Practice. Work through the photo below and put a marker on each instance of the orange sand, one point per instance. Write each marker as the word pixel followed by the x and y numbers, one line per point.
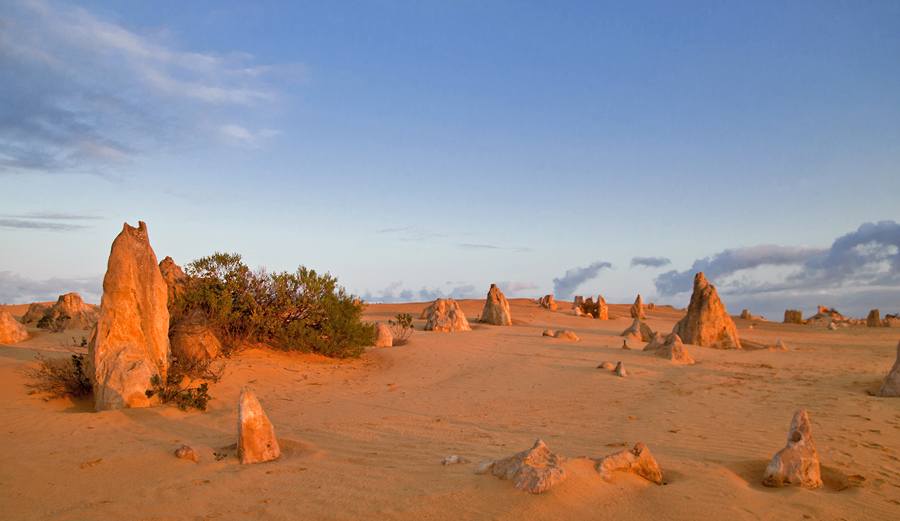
pixel 363 439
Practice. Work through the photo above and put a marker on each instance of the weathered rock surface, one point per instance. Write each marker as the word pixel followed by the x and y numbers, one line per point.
pixel 383 336
pixel 827 315
pixel 445 316
pixel 36 311
pixel 707 322
pixel 173 276
pixel 798 462
pixel 187 452
pixel 577 302
pixel 675 351
pixel 578 312
pixel 11 331
pixel 565 334
pixel 656 342
pixel 793 316
pixel 547 302
pixel 637 461
pixel 638 331
pixel 256 436
pixel 130 343
pixel 534 470
pixel 874 319
pixel 496 308
pixel 890 387
pixel 745 314
pixel 637 309
pixel 620 370
pixel 598 309
pixel 191 338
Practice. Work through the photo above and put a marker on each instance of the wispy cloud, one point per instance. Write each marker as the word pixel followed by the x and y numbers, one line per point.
pixel 15 289
pixel 565 287
pixel 390 293
pixel 82 93
pixel 40 225
pixel 870 256
pixel 55 216
pixel 650 262
pixel 512 287
pixel 467 246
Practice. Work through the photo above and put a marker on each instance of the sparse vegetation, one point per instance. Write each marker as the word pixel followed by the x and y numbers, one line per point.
pixel 59 377
pixel 301 311
pixel 171 391
pixel 54 325
pixel 402 329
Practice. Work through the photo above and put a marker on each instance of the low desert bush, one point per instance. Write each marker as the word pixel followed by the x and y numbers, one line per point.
pixel 402 328
pixel 59 377
pixel 53 325
pixel 172 391
pixel 301 311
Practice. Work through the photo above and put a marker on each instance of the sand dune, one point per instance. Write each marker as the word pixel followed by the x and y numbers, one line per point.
pixel 365 438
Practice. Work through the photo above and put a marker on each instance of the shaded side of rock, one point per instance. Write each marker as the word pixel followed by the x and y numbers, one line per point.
pixel 11 331
pixel 638 331
pixel 496 308
pixel 874 319
pixel 793 316
pixel 637 461
pixel 383 336
pixel 173 276
pixel 797 463
pixel 890 387
pixel 36 311
pixel 190 338
pixel 130 343
pixel 445 316
pixel 707 322
pixel 534 470
pixel 256 436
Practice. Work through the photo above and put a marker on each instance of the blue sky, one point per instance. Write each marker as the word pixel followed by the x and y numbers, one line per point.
pixel 417 149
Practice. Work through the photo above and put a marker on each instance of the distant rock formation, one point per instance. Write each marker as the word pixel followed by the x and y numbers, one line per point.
pixel 601 310
pixel 638 331
pixel 651 306
pixel 547 302
pixel 445 316
pixel 10 330
pixel 707 322
pixel 745 314
pixel 637 461
pixel 637 309
pixel 81 315
pixel 797 463
pixel 832 327
pixel 190 338
pixel 890 387
pixel 383 336
pixel 534 470
pixel 891 321
pixel 256 436
pixel 874 319
pixel 577 302
pixel 496 308
pixel 174 278
pixel 36 311
pixel 827 315
pixel 793 316
pixel 130 343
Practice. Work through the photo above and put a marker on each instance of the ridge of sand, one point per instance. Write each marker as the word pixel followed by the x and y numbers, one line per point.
pixel 365 438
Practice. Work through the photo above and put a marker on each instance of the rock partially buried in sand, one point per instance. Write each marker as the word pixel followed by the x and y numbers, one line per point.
pixel 256 436
pixel 639 331
pixel 798 462
pixel 565 334
pixel 637 309
pixel 534 470
pixel 186 452
pixel 444 316
pixel 606 365
pixel 130 343
pixel 546 302
pixel 547 332
pixel 890 387
pixel 620 370
pixel 832 327
pixel 496 308
pixel 637 461
pixel 674 350
pixel 10 330
pixel 454 460
pixel 707 322
pixel 383 336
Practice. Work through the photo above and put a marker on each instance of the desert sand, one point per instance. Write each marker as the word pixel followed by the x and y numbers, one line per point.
pixel 364 439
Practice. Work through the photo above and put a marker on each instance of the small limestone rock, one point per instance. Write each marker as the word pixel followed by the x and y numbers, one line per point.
pixel 534 470
pixel 890 387
pixel 832 327
pixel 186 452
pixel 620 370
pixel 454 460
pixel 547 332
pixel 745 314
pixel 496 308
pixel 639 331
pixel 707 322
pixel 675 351
pixel 383 336
pixel 798 462
pixel 444 315
pixel 655 343
pixel 547 303
pixel 637 309
pixel 780 346
pixel 637 461
pixel 606 365
pixel 10 330
pixel 566 335
pixel 625 345
pixel 256 436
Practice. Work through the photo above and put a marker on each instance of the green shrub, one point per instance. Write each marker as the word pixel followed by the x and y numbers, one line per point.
pixel 171 391
pixel 59 377
pixel 54 326
pixel 301 311
pixel 402 328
